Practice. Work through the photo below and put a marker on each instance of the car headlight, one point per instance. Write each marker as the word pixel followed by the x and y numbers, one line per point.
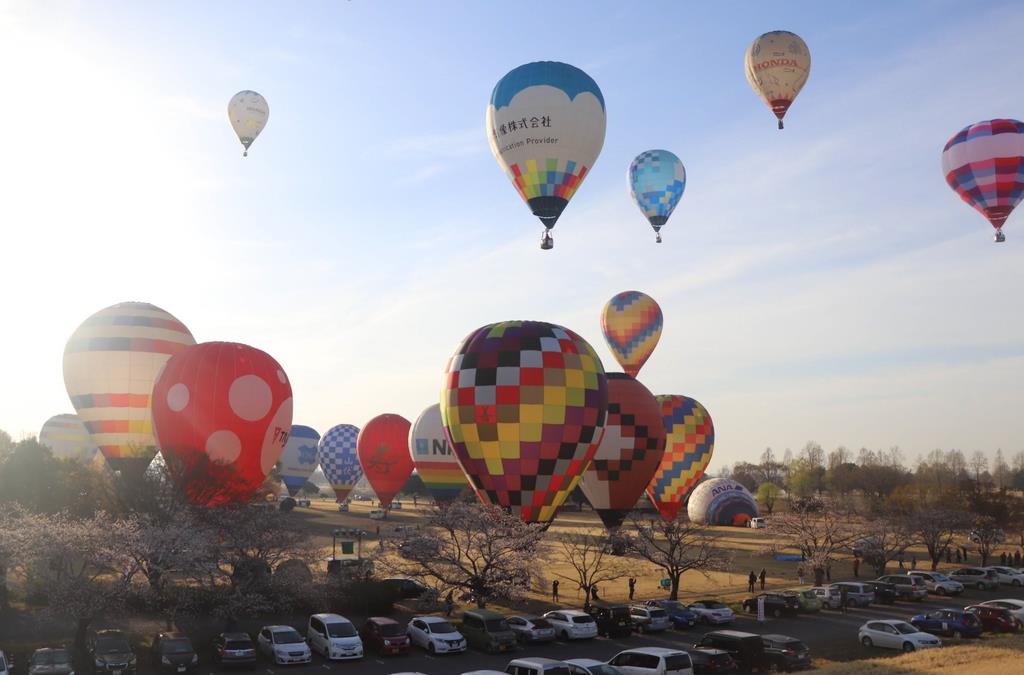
pixel 164 660
pixel 195 658
pixel 99 663
pixel 131 659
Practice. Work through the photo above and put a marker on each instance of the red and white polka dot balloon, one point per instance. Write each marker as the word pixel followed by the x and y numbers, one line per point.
pixel 221 413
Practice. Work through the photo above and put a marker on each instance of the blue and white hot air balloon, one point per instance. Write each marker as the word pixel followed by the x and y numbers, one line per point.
pixel 656 182
pixel 338 459
pixel 299 458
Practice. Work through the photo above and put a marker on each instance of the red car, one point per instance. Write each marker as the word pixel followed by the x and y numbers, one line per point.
pixel 384 636
pixel 995 619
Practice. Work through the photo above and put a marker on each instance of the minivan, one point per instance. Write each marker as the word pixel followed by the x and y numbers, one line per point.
pixel 908 587
pixel 747 649
pixel 612 620
pixel 536 665
pixel 857 594
pixel 487 630
pixel 334 637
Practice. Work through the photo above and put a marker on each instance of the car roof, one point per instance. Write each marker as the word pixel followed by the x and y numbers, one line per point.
pixel 536 661
pixel 171 635
pixel 706 600
pixel 888 621
pixel 585 662
pixel 430 618
pixel 775 637
pixel 109 632
pixel 381 620
pixel 47 649
pixel 733 633
pixel 704 650
pixel 278 628
pixel 236 636
pixel 484 613
pixel 653 651
pixel 569 612
pixel 330 617
pixel 527 617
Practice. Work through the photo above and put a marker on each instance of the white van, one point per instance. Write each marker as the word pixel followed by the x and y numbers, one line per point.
pixel 652 661
pixel 758 523
pixel 334 637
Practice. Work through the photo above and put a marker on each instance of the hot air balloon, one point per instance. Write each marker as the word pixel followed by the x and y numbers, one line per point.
pixel 629 453
pixel 690 441
pixel 984 164
pixel 68 438
pixel 433 458
pixel 777 66
pixel 383 448
pixel 248 112
pixel 338 459
pixel 110 364
pixel 546 124
pixel 631 323
pixel 721 501
pixel 524 404
pixel 222 412
pixel 656 182
pixel 298 460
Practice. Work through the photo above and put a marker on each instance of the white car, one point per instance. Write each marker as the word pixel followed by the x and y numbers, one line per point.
pixel 830 596
pixel 436 635
pixel 758 523
pixel 572 624
pixel 939 584
pixel 334 637
pixel 712 611
pixel 652 661
pixel 377 514
pixel 590 667
pixel 5 666
pixel 284 644
pixel 895 634
pixel 1015 607
pixel 531 628
pixel 1007 575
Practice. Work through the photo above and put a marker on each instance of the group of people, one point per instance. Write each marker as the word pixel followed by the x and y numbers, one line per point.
pixel 753 579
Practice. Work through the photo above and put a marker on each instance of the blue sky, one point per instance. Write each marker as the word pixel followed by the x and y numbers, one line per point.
pixel 818 283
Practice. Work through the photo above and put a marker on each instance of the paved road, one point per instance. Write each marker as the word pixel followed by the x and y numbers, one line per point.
pixel 830 634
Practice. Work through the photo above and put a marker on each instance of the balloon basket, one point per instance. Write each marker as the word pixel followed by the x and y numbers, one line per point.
pixel 547 242
pixel 657 237
pixel 781 125
pixel 999 237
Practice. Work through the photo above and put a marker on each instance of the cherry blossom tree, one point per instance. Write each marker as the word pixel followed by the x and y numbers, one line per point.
pixel 678 546
pixel 587 555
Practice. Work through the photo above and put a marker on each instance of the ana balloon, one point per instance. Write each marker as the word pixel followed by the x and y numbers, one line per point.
pixel 248 112
pixel 110 365
pixel 339 461
pixel 68 438
pixel 984 164
pixel 721 501
pixel 222 413
pixel 656 182
pixel 433 458
pixel 690 442
pixel 546 124
pixel 631 323
pixel 383 448
pixel 298 460
pixel 630 451
pixel 524 404
pixel 777 66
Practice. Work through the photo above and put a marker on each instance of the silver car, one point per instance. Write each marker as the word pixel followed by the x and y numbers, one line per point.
pixel 531 628
pixel 938 583
pixel 857 594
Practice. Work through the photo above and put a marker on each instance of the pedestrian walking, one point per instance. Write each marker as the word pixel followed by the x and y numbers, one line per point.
pixel 1016 558
pixel 764 573
pixel 958 555
pixel 844 598
pixel 554 591
pixel 632 587
pixel 828 572
pixel 1002 559
pixel 902 566
pixel 449 604
pixel 856 568
pixel 800 574
pixel 965 553
pixel 751 580
pixel 913 562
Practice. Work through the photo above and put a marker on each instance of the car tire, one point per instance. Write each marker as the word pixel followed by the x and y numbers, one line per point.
pixel 776 612
pixel 564 635
pixel 957 634
pixel 940 591
pixel 908 647
pixel 866 641
pixel 981 586
pixel 1016 582
pixel 430 648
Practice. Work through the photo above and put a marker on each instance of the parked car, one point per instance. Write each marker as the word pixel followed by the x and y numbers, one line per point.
pixel 976 577
pixel 536 665
pixel 995 619
pixel 907 587
pixel 649 619
pixel 343 507
pixel 807 599
pixel 708 661
pixel 712 612
pixel 746 649
pixel 110 653
pixel 938 583
pixel 757 523
pixel 173 653
pixel 283 644
pixel 377 514
pixel 1007 575
pixel 775 604
pixel 407 588
pixel 384 635
pixel 949 622
pixel 48 661
pixel 679 614
pixel 1014 606
pixel 857 594
pixel 572 624
pixel 234 649
pixel 334 637
pixel 531 628
pixel 885 593
pixel 487 630
pixel 830 597
pixel 652 661
pixel 784 653
pixel 436 635
pixel 612 620
pixel 590 667
pixel 895 634
pixel 6 666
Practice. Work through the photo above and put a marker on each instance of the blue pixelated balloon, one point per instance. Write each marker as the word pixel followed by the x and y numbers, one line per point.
pixel 656 182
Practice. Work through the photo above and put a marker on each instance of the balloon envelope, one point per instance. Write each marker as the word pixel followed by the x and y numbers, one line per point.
pixel 656 182
pixel 338 459
pixel 690 442
pixel 68 438
pixel 721 501
pixel 432 455
pixel 248 112
pixel 298 460
pixel 630 451
pixel 222 413
pixel 777 66
pixel 524 404
pixel 110 365
pixel 984 164
pixel 383 448
pixel 631 323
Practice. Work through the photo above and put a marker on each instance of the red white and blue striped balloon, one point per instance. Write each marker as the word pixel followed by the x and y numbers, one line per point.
pixel 984 164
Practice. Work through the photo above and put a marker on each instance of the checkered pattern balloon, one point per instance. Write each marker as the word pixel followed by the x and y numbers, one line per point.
pixel 524 404
pixel 630 451
pixel 984 164
pixel 631 322
pixel 690 441
pixel 337 456
pixel 656 182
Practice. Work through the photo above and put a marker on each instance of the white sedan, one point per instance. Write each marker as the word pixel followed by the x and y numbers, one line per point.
pixel 712 611
pixel 896 634
pixel 572 624
pixel 1007 575
pixel 436 635
pixel 1015 607
pixel 283 644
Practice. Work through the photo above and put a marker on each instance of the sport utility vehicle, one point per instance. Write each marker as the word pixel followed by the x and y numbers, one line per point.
pixel 109 652
pixel 48 661
pixel 649 619
pixel 785 653
pixel 536 665
pixel 487 630
pixel 747 649
pixel 908 587
pixel 976 577
pixel 612 620
pixel 173 653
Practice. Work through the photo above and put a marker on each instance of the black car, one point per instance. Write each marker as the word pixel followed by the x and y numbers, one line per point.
pixel 708 661
pixel 173 653
pixel 234 649
pixel 110 653
pixel 775 604
pixel 885 592
pixel 747 649
pixel 407 588
pixel 612 620
pixel 48 661
pixel 785 653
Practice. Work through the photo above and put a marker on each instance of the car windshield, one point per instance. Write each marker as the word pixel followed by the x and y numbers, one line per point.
pixel 341 629
pixel 112 646
pixel 809 595
pixel 904 628
pixel 672 605
pixel 603 670
pixel 795 645
pixel 176 646
pixel 677 662
pixel 236 645
pixel 541 623
pixel 496 625
pixel 441 627
pixel 657 613
pixel 391 630
pixel 287 637
pixel 938 576
pixel 582 619
pixel 712 604
pixel 3 664
pixel 51 657
pixel 619 611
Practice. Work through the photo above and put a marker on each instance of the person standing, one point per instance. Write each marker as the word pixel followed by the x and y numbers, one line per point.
pixel 1002 558
pixel 449 604
pixel 632 587
pixel 764 573
pixel 958 555
pixel 902 566
pixel 1016 558
pixel 844 598
pixel 913 562
pixel 856 568
pixel 828 572
pixel 554 591
pixel 751 580
pixel 800 574
pixel 949 556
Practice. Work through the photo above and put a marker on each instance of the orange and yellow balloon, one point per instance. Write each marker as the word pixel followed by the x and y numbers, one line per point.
pixel 631 323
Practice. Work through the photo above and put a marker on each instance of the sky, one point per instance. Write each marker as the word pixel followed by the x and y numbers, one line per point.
pixel 819 283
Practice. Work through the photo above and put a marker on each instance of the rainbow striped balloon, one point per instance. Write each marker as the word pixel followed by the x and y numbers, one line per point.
pixel 690 436
pixel 432 455
pixel 67 438
pixel 110 364
pixel 631 322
